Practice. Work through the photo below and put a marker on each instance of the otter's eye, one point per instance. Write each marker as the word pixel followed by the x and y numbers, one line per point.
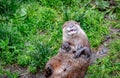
pixel 71 26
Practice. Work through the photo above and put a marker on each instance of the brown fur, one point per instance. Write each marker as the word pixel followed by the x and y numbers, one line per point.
pixel 77 39
pixel 64 66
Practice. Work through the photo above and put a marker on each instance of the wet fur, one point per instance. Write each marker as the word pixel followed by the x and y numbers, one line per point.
pixel 76 40
pixel 64 66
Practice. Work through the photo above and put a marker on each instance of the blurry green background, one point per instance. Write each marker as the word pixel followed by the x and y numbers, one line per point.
pixel 31 32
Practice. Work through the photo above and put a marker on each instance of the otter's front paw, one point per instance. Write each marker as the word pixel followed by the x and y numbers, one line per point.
pixel 66 46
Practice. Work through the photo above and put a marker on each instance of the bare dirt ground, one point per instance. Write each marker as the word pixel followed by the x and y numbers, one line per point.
pixel 102 50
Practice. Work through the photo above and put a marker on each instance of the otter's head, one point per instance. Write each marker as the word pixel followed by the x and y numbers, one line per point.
pixel 71 28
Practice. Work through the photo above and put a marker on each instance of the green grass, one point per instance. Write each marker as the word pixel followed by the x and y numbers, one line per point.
pixel 107 67
pixel 31 30
pixel 7 73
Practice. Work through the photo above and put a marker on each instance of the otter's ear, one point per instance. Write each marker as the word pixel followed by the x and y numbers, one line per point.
pixel 77 23
pixel 64 26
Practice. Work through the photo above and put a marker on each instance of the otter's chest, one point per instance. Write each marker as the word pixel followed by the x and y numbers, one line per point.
pixel 77 42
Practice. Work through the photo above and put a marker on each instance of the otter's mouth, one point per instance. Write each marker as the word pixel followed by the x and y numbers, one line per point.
pixel 72 31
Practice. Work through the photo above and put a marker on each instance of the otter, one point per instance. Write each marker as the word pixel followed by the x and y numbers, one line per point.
pixel 74 35
pixel 73 58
